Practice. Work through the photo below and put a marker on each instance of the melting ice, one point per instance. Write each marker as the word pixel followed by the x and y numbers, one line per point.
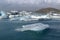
pixel 33 27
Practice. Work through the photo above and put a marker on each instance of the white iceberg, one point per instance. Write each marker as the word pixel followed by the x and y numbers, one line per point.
pixel 33 27
pixel 28 16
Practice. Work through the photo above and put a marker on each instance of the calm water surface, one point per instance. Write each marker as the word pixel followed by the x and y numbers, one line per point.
pixel 7 31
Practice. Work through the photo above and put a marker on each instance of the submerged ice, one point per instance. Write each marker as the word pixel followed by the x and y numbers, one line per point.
pixel 33 27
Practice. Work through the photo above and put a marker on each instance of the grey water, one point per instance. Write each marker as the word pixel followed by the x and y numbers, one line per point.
pixel 7 31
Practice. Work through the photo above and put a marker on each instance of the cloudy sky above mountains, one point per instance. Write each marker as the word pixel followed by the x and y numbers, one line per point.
pixel 29 1
pixel 26 4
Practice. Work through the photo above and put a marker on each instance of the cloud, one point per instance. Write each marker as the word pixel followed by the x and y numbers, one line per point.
pixel 24 1
pixel 27 4
pixel 57 1
pixel 53 1
pixel 36 2
pixel 31 1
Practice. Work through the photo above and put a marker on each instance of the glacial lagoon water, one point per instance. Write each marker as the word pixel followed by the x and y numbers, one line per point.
pixel 7 31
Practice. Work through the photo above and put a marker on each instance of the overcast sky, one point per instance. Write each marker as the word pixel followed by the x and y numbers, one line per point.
pixel 28 1
pixel 23 4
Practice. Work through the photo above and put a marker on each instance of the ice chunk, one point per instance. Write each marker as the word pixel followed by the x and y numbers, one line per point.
pixel 33 27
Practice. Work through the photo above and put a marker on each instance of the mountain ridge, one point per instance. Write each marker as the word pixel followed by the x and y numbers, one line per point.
pixel 47 10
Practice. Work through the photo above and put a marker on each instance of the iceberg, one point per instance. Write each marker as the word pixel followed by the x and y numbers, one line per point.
pixel 14 17
pixel 3 15
pixel 28 16
pixel 33 27
pixel 23 16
